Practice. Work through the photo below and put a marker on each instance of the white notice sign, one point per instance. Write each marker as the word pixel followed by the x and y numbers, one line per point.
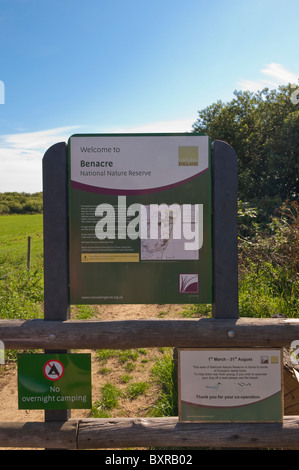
pixel 230 385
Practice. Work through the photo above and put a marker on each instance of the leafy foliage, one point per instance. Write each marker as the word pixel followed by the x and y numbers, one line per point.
pixel 269 266
pixel 21 203
pixel 263 129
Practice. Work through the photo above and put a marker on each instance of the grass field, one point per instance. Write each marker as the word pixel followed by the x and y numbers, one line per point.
pixel 14 233
pixel 21 290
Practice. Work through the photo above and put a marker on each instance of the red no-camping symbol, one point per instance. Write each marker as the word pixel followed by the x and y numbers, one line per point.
pixel 53 369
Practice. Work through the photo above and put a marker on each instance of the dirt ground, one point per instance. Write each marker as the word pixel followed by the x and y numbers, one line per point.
pixel 9 411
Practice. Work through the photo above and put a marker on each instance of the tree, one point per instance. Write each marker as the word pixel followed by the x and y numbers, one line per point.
pixel 263 129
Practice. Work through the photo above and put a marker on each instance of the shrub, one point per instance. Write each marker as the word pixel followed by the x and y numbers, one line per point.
pixel 269 267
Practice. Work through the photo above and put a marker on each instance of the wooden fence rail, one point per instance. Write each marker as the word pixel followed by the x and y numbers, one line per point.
pixel 111 433
pixel 193 333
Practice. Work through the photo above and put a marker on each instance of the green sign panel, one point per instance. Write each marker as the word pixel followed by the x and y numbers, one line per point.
pixel 140 219
pixel 54 381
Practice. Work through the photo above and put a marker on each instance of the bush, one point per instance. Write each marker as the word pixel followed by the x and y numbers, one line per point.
pixel 21 292
pixel 21 203
pixel 4 209
pixel 269 267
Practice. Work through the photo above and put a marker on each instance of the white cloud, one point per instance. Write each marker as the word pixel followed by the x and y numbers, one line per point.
pixel 256 86
pixel 21 158
pixel 278 75
pixel 37 141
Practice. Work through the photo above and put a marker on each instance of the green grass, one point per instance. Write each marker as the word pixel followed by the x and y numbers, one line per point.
pixel 108 401
pixel 126 378
pixel 196 310
pixel 104 354
pixel 111 396
pixel 84 312
pixel 164 374
pixel 136 389
pixel 127 355
pixel 14 233
pixel 21 294
pixel 266 290
pixel 21 290
pixel 128 361
pixel 123 355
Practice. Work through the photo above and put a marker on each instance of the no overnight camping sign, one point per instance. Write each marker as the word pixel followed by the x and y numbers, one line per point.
pixel 140 218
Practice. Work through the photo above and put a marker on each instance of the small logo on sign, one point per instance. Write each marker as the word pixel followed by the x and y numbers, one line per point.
pixel 188 283
pixel 188 156
pixel 53 369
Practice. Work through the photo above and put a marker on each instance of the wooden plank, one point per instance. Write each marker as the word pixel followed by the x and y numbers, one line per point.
pixel 39 435
pixel 143 432
pixel 193 333
pixel 118 433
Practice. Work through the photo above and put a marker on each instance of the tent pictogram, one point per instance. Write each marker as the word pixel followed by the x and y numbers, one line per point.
pixel 53 369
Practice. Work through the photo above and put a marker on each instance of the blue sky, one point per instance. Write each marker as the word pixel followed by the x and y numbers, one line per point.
pixel 94 66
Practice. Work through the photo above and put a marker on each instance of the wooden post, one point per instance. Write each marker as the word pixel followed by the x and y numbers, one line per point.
pixel 225 230
pixel 28 253
pixel 55 201
pixel 56 265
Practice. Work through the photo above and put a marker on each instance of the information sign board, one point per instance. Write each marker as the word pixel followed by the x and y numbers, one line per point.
pixel 230 385
pixel 140 218
pixel 54 381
